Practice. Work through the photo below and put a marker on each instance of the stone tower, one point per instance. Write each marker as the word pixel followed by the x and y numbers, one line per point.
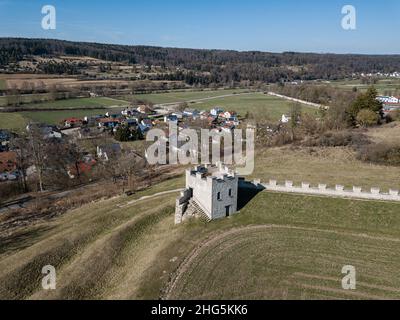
pixel 212 191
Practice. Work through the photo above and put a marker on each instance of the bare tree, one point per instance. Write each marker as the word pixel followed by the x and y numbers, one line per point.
pixel 21 147
pixel 38 151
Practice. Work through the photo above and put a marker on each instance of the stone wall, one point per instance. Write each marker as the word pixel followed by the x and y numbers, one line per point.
pixel 181 204
pixel 222 187
pixel 338 191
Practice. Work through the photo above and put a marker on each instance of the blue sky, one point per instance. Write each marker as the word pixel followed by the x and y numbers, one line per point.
pixel 266 25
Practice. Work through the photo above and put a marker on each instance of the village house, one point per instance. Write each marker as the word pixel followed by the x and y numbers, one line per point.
pixel 108 123
pixel 48 131
pixel 93 95
pixel 5 138
pixel 204 115
pixel 91 120
pixel 216 111
pixel 388 99
pixel 285 118
pixel 8 165
pixel 72 122
pixel 109 151
pixel 178 114
pixel 130 122
pixel 171 118
pixel 144 109
pixel 84 167
pixel 145 125
pixel 227 114
pixel 191 113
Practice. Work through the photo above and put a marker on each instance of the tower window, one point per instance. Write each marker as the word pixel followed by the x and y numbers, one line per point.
pixel 230 192
pixel 219 196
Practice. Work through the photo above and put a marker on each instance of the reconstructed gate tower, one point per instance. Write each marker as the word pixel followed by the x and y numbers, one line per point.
pixel 211 191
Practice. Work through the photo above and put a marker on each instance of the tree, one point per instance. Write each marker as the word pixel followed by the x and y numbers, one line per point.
pixel 21 147
pixel 123 134
pixel 367 101
pixel 38 151
pixel 182 106
pixel 367 118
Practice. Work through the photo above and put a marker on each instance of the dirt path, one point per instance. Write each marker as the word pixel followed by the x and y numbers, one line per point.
pixel 149 197
pixel 164 105
pixel 185 265
pixel 311 104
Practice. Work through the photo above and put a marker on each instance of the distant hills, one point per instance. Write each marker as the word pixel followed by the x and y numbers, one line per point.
pixel 219 66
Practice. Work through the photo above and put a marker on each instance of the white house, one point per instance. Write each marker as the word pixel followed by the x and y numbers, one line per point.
pixel 109 151
pixel 388 99
pixel 285 118
pixel 216 111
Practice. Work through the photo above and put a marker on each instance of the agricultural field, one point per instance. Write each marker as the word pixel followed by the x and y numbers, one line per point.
pixel 184 96
pixel 98 102
pixel 383 85
pixel 55 117
pixel 26 98
pixel 78 103
pixel 95 106
pixel 3 84
pixel 278 246
pixel 259 105
pixel 12 121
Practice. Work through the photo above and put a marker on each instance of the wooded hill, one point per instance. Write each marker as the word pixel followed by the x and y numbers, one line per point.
pixel 213 66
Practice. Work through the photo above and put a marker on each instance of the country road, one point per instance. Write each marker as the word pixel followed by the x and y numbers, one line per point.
pixel 311 104
pixel 204 99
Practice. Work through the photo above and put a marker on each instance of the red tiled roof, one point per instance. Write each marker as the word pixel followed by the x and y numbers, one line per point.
pixel 105 120
pixel 8 161
pixel 72 120
pixel 84 167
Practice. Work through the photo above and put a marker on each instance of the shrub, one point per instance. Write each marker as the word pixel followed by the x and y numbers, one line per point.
pixel 395 115
pixel 387 154
pixel 337 139
pixel 367 118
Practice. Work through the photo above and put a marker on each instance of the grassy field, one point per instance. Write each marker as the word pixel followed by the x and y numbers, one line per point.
pixel 67 103
pixel 260 105
pixel 27 98
pixel 3 84
pixel 279 246
pixel 78 103
pixel 55 117
pixel 12 121
pixel 95 106
pixel 183 96
pixel 323 165
pixel 382 86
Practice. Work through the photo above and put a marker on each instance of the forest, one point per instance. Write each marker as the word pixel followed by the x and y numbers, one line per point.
pixel 206 66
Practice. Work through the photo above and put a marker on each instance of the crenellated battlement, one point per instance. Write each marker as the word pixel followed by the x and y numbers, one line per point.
pixel 337 191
